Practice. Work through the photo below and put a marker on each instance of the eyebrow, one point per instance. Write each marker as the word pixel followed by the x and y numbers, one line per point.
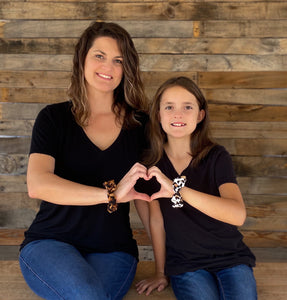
pixel 98 50
pixel 172 102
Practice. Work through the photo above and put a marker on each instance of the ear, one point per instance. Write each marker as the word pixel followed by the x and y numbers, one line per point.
pixel 200 116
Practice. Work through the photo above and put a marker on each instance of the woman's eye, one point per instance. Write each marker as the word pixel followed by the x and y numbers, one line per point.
pixel 99 56
pixel 118 61
pixel 169 107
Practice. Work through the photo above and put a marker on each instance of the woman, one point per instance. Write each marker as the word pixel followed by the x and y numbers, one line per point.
pixel 194 220
pixel 82 164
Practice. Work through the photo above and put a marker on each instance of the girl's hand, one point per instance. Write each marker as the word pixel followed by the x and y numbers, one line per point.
pixel 166 190
pixel 158 282
pixel 125 191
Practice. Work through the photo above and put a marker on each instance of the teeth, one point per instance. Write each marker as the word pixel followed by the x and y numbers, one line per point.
pixel 178 124
pixel 105 76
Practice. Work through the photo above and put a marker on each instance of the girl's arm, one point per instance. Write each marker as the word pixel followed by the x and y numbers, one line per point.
pixel 43 184
pixel 143 212
pixel 159 281
pixel 228 208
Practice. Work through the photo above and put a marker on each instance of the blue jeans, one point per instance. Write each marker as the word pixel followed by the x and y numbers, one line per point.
pixel 57 270
pixel 237 283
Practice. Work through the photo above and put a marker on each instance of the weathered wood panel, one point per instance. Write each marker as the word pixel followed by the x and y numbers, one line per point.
pixel 247 46
pixel 145 11
pixel 220 96
pixel 159 63
pixel 67 29
pixel 242 80
pixel 219 113
pixel 11 128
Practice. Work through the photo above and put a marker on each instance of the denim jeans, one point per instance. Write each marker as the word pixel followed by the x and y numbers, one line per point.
pixel 237 283
pixel 57 270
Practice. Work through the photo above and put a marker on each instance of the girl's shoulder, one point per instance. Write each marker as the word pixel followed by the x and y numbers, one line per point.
pixel 217 152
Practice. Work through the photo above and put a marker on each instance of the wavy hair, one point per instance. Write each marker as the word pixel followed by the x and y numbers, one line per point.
pixel 129 96
pixel 200 140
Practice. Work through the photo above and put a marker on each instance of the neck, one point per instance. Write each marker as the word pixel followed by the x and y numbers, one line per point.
pixel 100 104
pixel 177 148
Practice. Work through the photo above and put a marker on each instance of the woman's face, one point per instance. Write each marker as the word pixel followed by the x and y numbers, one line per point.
pixel 103 66
pixel 179 112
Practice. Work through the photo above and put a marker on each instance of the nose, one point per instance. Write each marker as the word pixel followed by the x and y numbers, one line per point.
pixel 107 64
pixel 178 114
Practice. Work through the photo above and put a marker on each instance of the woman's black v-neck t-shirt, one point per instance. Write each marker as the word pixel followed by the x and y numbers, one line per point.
pixel 89 228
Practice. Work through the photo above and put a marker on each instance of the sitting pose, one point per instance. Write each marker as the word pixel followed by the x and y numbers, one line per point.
pixel 194 220
pixel 83 165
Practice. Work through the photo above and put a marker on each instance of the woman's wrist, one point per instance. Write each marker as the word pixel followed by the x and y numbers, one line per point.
pixel 112 202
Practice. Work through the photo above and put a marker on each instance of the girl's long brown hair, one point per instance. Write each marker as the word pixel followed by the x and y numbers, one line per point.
pixel 129 96
pixel 200 140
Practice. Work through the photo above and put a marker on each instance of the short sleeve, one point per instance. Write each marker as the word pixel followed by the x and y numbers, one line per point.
pixel 45 134
pixel 224 171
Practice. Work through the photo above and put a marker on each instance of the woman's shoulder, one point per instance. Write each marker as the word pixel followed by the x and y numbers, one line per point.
pixel 61 110
pixel 60 107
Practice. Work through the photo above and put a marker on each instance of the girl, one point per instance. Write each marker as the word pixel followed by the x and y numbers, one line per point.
pixel 199 205
pixel 82 164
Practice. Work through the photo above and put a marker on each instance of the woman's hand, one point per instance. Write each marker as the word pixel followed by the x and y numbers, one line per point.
pixel 125 191
pixel 158 282
pixel 166 190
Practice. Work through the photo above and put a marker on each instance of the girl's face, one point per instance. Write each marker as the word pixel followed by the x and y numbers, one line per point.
pixel 103 65
pixel 179 112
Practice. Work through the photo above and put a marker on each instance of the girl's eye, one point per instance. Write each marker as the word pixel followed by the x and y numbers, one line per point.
pixel 188 107
pixel 169 107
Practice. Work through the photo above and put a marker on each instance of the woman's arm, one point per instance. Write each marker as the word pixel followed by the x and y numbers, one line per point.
pixel 43 184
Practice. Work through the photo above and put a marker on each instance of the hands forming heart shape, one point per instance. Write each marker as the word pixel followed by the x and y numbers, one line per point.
pixel 148 187
pixel 144 184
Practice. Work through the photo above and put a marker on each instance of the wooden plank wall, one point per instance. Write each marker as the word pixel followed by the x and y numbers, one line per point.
pixel 235 50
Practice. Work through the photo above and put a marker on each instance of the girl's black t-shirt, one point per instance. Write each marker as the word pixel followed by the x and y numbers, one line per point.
pixel 193 239
pixel 89 228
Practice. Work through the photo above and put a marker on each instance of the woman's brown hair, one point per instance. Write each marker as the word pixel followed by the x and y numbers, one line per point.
pixel 129 96
pixel 200 141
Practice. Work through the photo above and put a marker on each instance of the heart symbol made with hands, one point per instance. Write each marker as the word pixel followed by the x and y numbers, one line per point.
pixel 148 187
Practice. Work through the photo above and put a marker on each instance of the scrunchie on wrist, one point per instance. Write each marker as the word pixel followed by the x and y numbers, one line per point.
pixel 178 183
pixel 111 187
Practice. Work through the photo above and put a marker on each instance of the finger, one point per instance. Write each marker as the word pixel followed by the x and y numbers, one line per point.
pixel 150 289
pixel 157 196
pixel 161 287
pixel 142 288
pixel 142 196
